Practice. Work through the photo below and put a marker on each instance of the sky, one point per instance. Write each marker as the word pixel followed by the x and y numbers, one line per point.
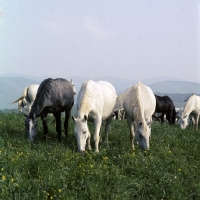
pixel 131 39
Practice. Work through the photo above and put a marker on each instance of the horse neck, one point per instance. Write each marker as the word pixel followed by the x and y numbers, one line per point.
pixel 189 107
pixel 139 113
pixel 83 110
pixel 37 108
pixel 140 110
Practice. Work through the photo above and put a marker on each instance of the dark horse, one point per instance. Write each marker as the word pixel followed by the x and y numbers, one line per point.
pixel 165 106
pixel 53 96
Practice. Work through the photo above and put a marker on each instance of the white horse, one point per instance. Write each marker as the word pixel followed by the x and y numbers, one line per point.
pixel 192 107
pixel 120 112
pixel 139 105
pixel 26 100
pixel 95 102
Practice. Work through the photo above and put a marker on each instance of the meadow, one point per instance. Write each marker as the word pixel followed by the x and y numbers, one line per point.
pixel 52 170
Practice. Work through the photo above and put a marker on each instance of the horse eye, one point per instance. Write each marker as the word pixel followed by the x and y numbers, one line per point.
pixel 84 132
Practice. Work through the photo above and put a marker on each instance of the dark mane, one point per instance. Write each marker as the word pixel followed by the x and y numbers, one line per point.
pixel 45 86
pixel 43 92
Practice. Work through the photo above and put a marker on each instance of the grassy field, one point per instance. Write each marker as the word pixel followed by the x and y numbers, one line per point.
pixel 52 170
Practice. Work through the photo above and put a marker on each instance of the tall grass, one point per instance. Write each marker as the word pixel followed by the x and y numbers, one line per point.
pixel 52 170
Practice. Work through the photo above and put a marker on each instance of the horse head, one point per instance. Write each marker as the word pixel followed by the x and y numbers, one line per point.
pixel 81 132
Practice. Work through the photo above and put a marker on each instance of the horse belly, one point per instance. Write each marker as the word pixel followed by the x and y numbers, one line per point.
pixel 108 108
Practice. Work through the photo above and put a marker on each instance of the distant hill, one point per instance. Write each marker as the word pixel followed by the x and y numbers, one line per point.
pixel 175 87
pixel 12 87
pixel 160 79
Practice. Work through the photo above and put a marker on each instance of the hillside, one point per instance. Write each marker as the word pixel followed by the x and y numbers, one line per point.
pixel 11 88
pixel 175 87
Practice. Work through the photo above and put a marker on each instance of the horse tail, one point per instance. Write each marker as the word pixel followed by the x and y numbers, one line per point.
pixel 23 95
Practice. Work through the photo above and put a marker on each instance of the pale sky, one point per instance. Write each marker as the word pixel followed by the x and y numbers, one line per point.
pixel 132 39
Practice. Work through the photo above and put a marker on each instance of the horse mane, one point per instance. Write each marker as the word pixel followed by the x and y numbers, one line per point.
pixel 136 101
pixel 84 107
pixel 187 101
pixel 43 93
pixel 44 89
pixel 187 98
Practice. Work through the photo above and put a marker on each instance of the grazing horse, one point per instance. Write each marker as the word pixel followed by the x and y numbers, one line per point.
pixel 156 117
pixel 26 100
pixel 53 96
pixel 165 105
pixel 95 102
pixel 139 104
pixel 191 108
pixel 120 114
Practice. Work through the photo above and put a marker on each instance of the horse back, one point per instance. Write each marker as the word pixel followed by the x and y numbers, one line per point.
pixel 54 95
pixel 97 98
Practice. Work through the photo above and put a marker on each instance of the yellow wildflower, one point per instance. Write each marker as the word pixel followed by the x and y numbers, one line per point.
pixel 59 190
pixel 3 178
pixel 105 158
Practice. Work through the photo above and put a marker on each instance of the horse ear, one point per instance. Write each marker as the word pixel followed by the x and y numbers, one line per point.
pixel 74 119
pixel 85 117
pixel 149 123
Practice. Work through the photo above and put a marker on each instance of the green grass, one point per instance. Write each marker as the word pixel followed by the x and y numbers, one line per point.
pixel 52 170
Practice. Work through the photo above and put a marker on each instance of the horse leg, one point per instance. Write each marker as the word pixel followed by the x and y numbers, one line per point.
pixel 162 117
pixel 45 127
pixel 169 117
pixel 132 133
pixel 88 141
pixel 108 121
pixel 100 135
pixel 66 122
pixel 196 121
pixel 58 125
pixel 98 122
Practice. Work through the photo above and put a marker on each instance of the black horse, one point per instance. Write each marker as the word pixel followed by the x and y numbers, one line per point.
pixel 165 105
pixel 53 96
